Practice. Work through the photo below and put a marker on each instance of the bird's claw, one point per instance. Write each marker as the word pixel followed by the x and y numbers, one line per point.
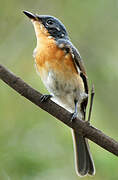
pixel 45 97
pixel 74 115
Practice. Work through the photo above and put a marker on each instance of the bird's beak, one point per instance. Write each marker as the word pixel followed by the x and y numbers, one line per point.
pixel 30 15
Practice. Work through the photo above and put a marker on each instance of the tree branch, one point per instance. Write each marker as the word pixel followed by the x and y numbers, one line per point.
pixel 61 114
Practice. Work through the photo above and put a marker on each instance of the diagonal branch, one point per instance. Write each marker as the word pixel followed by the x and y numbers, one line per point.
pixel 61 114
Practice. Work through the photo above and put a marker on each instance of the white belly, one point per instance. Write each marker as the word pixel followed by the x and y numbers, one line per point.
pixel 64 91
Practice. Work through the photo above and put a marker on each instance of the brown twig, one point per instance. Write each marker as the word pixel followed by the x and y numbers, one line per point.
pixel 61 114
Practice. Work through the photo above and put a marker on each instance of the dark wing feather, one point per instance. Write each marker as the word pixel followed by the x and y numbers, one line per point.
pixel 66 45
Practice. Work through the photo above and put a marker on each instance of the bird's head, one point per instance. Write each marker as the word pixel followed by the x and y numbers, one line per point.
pixel 47 25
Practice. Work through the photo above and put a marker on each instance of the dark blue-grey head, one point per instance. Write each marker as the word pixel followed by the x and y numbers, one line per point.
pixel 55 28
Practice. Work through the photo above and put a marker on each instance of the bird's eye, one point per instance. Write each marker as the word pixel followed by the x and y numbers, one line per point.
pixel 50 22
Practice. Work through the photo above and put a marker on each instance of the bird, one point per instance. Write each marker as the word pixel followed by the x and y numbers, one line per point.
pixel 63 73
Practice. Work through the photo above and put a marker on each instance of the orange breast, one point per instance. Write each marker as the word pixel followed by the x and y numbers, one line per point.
pixel 49 56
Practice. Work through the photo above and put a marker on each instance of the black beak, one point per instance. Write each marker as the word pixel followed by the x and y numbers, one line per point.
pixel 30 15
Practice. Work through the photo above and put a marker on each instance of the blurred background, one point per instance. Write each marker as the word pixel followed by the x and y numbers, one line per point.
pixel 33 145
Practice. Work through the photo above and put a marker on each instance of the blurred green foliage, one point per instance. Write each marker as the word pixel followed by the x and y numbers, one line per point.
pixel 33 145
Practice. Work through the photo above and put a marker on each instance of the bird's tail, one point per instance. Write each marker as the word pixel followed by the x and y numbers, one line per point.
pixel 83 159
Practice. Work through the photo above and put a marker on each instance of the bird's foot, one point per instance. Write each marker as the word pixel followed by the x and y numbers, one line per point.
pixel 74 115
pixel 45 97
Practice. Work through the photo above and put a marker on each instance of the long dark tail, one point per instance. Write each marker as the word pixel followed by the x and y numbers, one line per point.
pixel 83 158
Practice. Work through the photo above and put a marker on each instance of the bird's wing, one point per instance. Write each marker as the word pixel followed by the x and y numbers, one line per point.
pixel 66 45
pixel 69 48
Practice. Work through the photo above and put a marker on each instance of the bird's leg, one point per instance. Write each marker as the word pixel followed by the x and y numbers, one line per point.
pixel 45 97
pixel 74 115
pixel 91 103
